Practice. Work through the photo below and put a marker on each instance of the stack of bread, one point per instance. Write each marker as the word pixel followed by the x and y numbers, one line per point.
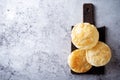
pixel 90 52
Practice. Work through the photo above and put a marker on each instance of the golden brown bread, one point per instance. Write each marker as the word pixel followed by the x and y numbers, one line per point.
pixel 84 35
pixel 99 55
pixel 77 61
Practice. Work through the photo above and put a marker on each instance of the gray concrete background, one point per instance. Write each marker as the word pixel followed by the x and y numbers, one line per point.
pixel 35 38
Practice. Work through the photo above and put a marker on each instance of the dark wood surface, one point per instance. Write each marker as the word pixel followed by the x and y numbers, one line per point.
pixel 88 16
pixel 88 13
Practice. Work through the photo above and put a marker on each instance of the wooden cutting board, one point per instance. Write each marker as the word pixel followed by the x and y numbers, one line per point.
pixel 88 16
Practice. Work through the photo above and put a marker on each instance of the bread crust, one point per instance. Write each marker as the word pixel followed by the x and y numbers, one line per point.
pixel 77 61
pixel 99 55
pixel 84 35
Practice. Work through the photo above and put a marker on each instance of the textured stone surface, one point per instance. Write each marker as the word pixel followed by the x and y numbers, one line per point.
pixel 35 38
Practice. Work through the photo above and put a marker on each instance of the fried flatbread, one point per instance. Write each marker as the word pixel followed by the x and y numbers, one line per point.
pixel 77 61
pixel 99 55
pixel 84 35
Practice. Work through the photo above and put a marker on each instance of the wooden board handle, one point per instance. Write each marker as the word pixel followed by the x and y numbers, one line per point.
pixel 88 13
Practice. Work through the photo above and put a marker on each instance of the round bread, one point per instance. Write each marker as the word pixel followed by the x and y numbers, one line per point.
pixel 84 35
pixel 77 61
pixel 99 55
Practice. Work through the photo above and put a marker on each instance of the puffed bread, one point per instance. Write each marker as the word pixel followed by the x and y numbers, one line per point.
pixel 99 55
pixel 84 35
pixel 77 61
